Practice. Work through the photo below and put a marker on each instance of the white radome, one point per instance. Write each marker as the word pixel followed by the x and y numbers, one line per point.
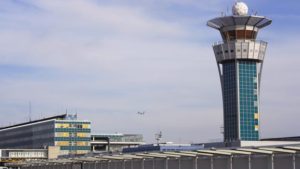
pixel 240 8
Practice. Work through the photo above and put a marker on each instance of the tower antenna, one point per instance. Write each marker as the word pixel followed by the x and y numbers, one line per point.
pixel 29 110
pixel 227 12
pixel 222 130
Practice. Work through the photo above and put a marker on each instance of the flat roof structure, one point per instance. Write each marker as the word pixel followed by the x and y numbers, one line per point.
pixel 230 158
pixel 294 138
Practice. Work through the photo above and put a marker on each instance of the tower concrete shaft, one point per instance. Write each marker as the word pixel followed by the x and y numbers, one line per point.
pixel 240 60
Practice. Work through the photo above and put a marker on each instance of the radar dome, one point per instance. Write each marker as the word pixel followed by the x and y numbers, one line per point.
pixel 240 9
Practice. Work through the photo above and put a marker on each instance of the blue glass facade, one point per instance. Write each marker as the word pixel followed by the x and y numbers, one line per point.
pixel 248 100
pixel 230 101
pixel 240 99
pixel 30 136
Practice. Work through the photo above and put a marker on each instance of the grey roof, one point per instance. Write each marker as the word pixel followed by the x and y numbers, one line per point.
pixel 63 116
pixel 256 21
pixel 174 154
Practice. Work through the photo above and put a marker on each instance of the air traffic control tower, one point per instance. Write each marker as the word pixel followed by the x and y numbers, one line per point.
pixel 240 60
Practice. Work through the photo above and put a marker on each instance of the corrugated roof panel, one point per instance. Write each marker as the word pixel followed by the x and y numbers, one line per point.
pixel 181 154
pixel 152 155
pixel 197 153
pixel 168 155
pixel 292 148
pixel 236 152
pixel 112 157
pixel 280 150
pixel 256 151
pixel 214 152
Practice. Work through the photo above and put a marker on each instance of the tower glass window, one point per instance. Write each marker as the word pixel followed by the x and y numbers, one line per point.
pixel 247 88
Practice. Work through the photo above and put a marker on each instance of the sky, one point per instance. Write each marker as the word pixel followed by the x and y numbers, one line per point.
pixel 108 60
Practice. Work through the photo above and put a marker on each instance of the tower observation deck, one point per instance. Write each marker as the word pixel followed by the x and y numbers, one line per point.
pixel 240 60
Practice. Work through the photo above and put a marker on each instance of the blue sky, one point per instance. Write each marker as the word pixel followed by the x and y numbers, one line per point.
pixel 107 60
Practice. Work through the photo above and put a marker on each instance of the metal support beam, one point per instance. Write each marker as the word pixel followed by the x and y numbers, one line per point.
pixel 153 163
pixel 249 162
pixel 167 163
pixel 271 162
pixel 143 163
pixel 123 165
pixel 294 161
pixel 196 163
pixel 230 162
pixel 211 162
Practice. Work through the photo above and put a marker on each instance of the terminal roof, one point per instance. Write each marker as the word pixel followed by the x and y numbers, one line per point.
pixel 172 154
pixel 63 116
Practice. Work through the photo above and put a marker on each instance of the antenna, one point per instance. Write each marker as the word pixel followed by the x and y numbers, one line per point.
pixel 227 12
pixel 29 110
pixel 158 137
pixel 222 130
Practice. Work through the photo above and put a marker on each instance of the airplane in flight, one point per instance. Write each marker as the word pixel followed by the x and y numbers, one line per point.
pixel 141 113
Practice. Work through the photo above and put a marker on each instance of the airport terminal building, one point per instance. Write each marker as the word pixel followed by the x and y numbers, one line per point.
pixel 115 142
pixel 65 131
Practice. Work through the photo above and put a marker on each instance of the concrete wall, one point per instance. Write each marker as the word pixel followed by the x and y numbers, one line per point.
pixel 53 152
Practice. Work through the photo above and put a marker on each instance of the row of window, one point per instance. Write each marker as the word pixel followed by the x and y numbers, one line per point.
pixel 72 138
pixel 75 147
pixel 72 143
pixel 235 51
pixel 238 34
pixel 71 134
pixel 72 125
pixel 72 130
